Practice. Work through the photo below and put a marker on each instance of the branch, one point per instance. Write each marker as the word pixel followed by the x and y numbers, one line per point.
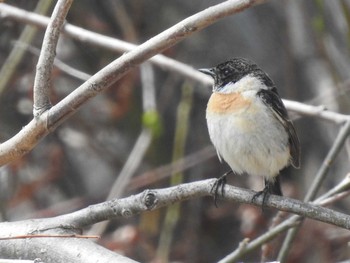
pixel 42 82
pixel 338 144
pixel 316 184
pixel 165 171
pixel 19 145
pixel 316 111
pixel 157 198
pixel 103 41
pixel 162 61
pixel 70 71
pixel 153 199
pixel 9 66
pixel 72 250
pixel 247 246
pixel 37 260
pixel 141 145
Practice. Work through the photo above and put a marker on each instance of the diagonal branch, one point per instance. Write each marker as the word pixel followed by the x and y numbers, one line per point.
pixel 316 111
pixel 42 82
pixel 162 61
pixel 248 246
pixel 19 145
pixel 316 184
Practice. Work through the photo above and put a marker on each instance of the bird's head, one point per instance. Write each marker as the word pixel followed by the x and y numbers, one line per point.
pixel 234 70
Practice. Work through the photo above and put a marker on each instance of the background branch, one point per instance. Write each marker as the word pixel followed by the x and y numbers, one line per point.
pixel 15 57
pixel 248 246
pixel 316 184
pixel 141 145
pixel 162 61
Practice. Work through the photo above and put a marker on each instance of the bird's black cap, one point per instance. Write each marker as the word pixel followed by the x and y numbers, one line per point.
pixel 233 70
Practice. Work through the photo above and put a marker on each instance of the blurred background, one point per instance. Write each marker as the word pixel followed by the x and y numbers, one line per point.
pixel 150 126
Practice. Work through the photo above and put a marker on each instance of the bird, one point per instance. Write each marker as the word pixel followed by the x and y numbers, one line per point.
pixel 249 125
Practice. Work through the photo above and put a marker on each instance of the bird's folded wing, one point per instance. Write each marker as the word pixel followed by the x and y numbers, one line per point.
pixel 275 104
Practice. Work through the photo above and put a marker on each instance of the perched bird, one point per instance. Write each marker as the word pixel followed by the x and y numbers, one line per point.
pixel 249 124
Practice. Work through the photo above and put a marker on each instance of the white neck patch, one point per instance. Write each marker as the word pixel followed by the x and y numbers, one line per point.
pixel 246 83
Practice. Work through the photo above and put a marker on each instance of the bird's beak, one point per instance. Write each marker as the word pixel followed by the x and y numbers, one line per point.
pixel 207 71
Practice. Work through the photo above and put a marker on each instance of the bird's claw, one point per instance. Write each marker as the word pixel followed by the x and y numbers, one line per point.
pixel 219 183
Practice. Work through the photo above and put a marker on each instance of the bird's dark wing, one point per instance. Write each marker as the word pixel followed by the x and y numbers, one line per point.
pixel 275 104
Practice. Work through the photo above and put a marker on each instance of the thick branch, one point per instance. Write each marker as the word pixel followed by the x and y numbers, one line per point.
pixel 42 82
pixel 73 250
pixel 24 140
pixel 154 199
pixel 162 61
pixel 115 70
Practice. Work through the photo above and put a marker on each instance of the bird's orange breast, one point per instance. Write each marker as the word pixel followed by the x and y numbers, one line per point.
pixel 227 103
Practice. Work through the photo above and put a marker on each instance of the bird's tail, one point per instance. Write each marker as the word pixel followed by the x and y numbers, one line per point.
pixel 274 186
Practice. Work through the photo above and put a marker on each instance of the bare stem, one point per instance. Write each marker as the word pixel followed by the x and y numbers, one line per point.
pixel 42 82
pixel 311 194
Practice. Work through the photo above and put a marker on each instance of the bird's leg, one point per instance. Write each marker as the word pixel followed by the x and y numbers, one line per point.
pixel 271 187
pixel 219 183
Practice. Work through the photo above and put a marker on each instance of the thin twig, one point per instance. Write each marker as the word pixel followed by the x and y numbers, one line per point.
pixel 256 243
pixel 49 236
pixel 141 146
pixel 315 111
pixel 331 200
pixel 172 214
pixel 165 171
pixel 16 54
pixel 37 260
pixel 320 176
pixel 103 41
pixel 294 221
pixel 344 185
pixel 69 70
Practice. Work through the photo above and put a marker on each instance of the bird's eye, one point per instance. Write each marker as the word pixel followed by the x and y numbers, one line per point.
pixel 227 71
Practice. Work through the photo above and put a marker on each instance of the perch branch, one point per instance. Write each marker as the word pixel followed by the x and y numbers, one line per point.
pixel 157 198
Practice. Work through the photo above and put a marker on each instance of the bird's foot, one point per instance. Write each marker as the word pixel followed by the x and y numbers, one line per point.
pixel 271 187
pixel 265 193
pixel 219 184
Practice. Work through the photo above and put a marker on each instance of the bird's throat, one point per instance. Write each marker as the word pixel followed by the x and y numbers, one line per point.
pixel 223 103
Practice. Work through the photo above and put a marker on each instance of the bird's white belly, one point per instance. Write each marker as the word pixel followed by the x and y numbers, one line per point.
pixel 251 141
